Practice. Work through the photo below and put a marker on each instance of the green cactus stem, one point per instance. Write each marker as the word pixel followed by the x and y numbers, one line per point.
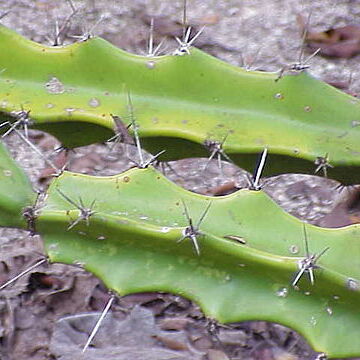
pixel 250 251
pixel 179 103
pixel 15 192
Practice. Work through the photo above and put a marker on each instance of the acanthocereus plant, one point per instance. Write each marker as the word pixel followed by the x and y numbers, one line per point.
pixel 239 257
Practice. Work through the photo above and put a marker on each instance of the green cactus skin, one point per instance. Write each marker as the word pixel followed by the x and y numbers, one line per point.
pixel 15 192
pixel 179 102
pixel 131 243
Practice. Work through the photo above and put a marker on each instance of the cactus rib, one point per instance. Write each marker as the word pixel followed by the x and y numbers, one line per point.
pixel 16 194
pixel 181 102
pixel 131 243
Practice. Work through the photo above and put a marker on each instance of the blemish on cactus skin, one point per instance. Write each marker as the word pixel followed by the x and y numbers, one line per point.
pixel 7 172
pixel 54 249
pixel 293 249
pixel 279 96
pixel 78 263
pixel 50 106
pixel 329 310
pixel 313 321
pixel 343 134
pixel 126 179
pixel 307 108
pixel 55 86
pixel 282 292
pixel 94 102
pixel 150 64
pixel 53 246
pixel 353 284
pixel 236 238
pixel 69 111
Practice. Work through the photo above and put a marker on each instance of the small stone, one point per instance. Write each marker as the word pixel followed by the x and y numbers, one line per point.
pixel 232 337
pixel 174 323
pixel 216 355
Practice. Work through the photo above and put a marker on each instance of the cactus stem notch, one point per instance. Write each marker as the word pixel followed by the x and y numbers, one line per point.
pixel 216 148
pixel 192 232
pixel 57 41
pixel 22 120
pixel 302 64
pixel 297 67
pixel 121 132
pixel 254 182
pixel 85 212
pixel 185 43
pixel 308 263
pixel 323 164
pixel 30 213
pixel 142 164
pixel 88 33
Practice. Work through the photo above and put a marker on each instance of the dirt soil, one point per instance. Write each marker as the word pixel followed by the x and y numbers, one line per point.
pixel 48 313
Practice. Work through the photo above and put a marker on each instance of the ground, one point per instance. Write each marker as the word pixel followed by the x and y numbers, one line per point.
pixel 49 312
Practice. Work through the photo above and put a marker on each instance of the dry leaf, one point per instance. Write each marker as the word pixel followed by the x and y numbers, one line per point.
pixel 341 42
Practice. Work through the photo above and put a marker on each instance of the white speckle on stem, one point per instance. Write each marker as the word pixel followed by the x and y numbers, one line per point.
pixel 329 310
pixel 353 284
pixel 54 86
pixel 294 249
pixel 94 102
pixel 282 292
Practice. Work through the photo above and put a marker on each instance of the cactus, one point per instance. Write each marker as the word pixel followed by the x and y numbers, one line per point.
pixel 248 267
pixel 180 103
pixel 16 193
pixel 240 257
